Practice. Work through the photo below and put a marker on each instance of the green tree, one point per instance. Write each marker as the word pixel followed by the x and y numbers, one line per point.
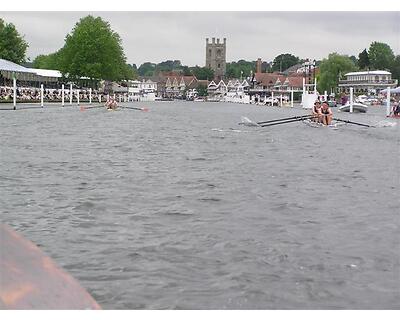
pixel 49 61
pixel 169 65
pixel 201 90
pixel 95 51
pixel 333 68
pixel 12 44
pixel 354 59
pixel 186 71
pixel 363 60
pixel 380 55
pixel 395 69
pixel 133 73
pixel 147 69
pixel 241 68
pixel 284 61
pixel 202 73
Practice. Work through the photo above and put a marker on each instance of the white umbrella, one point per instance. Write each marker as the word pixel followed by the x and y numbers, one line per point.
pixel 396 90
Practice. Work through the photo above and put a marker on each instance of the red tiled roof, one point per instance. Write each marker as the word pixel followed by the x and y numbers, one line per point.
pixel 188 80
pixel 296 82
pixel 270 79
pixel 267 79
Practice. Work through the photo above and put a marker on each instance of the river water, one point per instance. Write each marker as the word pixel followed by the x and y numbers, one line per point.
pixel 182 208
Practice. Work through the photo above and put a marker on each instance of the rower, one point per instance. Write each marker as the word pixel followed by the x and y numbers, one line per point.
pixel 316 112
pixel 396 108
pixel 326 113
pixel 111 104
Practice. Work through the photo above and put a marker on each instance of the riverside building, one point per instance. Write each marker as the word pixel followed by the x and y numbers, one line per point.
pixel 367 81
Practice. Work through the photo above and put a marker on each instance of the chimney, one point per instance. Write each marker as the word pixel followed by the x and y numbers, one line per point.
pixel 258 65
pixel 213 40
pixel 207 40
pixel 217 40
pixel 224 40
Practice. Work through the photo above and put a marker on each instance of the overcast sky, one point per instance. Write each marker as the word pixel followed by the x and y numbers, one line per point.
pixel 160 36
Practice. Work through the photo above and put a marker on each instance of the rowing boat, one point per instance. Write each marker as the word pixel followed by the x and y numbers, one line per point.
pixel 334 125
pixel 29 279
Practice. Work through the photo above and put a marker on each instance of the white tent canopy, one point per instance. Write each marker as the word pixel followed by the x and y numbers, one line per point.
pixel 396 90
pixel 47 73
pixel 8 68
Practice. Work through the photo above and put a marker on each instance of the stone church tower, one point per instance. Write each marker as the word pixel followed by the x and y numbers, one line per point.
pixel 216 57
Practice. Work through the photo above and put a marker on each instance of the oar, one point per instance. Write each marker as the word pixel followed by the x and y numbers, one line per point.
pixel 83 108
pixel 283 119
pixel 283 122
pixel 352 122
pixel 134 108
pixel 95 106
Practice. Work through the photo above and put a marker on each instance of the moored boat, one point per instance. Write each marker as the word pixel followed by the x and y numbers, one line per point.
pixel 357 107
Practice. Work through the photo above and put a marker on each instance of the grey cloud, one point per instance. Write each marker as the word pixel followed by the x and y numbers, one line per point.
pixel 157 36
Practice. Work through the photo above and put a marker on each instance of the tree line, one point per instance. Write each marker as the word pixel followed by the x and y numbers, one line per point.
pixel 379 56
pixel 94 51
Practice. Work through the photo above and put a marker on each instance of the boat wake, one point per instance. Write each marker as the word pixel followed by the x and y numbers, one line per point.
pixel 334 125
pixel 247 122
pixel 227 130
pixel 385 123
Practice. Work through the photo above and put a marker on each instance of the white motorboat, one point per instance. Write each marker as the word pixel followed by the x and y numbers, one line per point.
pixel 357 107
pixel 271 101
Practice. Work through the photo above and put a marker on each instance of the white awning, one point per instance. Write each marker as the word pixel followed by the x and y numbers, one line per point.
pixel 395 90
pixel 8 68
pixel 365 73
pixel 47 73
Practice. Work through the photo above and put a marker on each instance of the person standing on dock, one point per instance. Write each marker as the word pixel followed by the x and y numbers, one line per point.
pixel 326 113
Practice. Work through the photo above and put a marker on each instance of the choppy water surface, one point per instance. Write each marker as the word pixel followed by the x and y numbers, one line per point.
pixel 173 209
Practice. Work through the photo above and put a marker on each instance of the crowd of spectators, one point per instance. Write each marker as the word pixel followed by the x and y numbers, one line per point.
pixel 53 95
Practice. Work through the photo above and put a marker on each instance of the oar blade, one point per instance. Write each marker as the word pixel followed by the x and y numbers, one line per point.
pixel 353 122
pixel 247 122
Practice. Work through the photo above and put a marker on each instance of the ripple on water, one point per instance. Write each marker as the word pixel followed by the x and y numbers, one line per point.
pixel 180 209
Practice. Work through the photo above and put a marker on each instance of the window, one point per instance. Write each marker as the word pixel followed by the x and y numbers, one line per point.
pixel 219 65
pixel 209 52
